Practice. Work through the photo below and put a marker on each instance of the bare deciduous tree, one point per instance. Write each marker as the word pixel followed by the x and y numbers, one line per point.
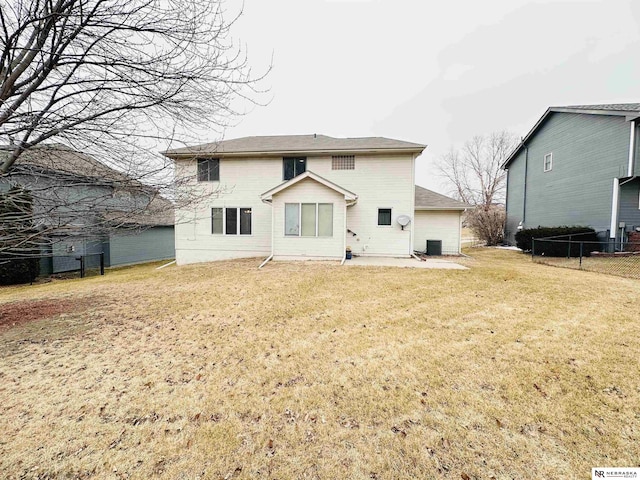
pixel 475 172
pixel 476 177
pixel 112 79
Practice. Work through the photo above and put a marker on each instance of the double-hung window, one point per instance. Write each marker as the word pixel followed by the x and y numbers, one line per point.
pixel 231 221
pixel 548 162
pixel 293 166
pixel 208 169
pixel 308 219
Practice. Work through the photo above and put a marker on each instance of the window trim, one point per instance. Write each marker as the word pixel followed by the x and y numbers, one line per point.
pixel 224 222
pixel 207 159
pixel 544 162
pixel 299 234
pixel 390 217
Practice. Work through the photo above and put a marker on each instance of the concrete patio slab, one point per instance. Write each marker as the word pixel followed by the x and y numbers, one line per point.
pixel 403 263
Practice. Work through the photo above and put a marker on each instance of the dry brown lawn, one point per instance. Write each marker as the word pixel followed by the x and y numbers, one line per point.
pixel 511 370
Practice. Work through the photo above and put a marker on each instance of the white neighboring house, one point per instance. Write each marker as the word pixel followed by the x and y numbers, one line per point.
pixel 300 197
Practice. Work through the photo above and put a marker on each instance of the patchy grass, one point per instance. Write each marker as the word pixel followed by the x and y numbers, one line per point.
pixel 508 370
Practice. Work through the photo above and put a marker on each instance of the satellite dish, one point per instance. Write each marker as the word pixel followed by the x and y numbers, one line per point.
pixel 403 220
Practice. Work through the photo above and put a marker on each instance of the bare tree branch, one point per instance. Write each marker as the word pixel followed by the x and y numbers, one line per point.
pixel 111 80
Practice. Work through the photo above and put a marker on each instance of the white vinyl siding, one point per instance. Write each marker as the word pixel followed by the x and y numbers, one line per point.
pixel 379 181
pixel 320 213
pixel 441 225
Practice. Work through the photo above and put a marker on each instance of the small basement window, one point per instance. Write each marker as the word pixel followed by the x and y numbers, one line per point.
pixel 343 162
pixel 384 217
pixel 208 169
pixel 548 162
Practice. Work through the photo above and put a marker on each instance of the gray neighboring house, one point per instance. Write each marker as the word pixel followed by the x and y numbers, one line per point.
pixel 579 165
pixel 71 186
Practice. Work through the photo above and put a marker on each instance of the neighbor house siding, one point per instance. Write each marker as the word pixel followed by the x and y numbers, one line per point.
pixel 515 196
pixel 589 151
pixel 437 225
pixel 156 243
pixel 308 191
pixel 629 211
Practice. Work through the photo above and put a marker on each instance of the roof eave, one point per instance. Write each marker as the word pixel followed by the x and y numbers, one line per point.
pixel 629 116
pixel 280 153
pixel 442 208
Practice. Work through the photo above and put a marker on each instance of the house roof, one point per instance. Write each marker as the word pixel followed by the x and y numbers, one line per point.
pixel 631 111
pixel 268 195
pixel 429 200
pixel 296 144
pixel 67 161
pixel 60 158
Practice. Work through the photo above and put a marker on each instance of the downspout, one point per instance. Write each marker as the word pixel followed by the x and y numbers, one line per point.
pixel 413 203
pixel 614 208
pixel 268 259
pixel 344 244
pixel 524 193
pixel 632 149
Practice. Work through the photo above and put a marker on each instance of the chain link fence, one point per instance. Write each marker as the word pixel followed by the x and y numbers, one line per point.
pixel 613 257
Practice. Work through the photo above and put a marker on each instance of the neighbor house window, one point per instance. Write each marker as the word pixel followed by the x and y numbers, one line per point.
pixel 293 166
pixel 208 169
pixel 384 217
pixel 548 162
pixel 308 219
pixel 343 162
pixel 230 221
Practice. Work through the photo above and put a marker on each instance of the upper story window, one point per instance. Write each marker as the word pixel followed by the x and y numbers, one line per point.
pixel 293 166
pixel 343 162
pixel 548 162
pixel 384 217
pixel 208 169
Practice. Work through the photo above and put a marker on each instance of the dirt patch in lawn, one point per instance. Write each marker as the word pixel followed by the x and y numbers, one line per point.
pixel 18 313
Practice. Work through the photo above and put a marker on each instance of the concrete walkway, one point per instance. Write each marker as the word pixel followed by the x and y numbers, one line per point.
pixel 403 262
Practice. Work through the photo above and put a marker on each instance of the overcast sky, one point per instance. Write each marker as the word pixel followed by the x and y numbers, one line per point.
pixel 433 72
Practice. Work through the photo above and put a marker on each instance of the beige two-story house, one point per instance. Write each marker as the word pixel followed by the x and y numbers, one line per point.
pixel 305 197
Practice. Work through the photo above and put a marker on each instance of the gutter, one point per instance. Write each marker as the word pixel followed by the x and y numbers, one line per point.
pixel 285 153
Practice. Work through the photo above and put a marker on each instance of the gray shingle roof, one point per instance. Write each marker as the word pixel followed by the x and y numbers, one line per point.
pixel 429 200
pixel 616 107
pixel 297 144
